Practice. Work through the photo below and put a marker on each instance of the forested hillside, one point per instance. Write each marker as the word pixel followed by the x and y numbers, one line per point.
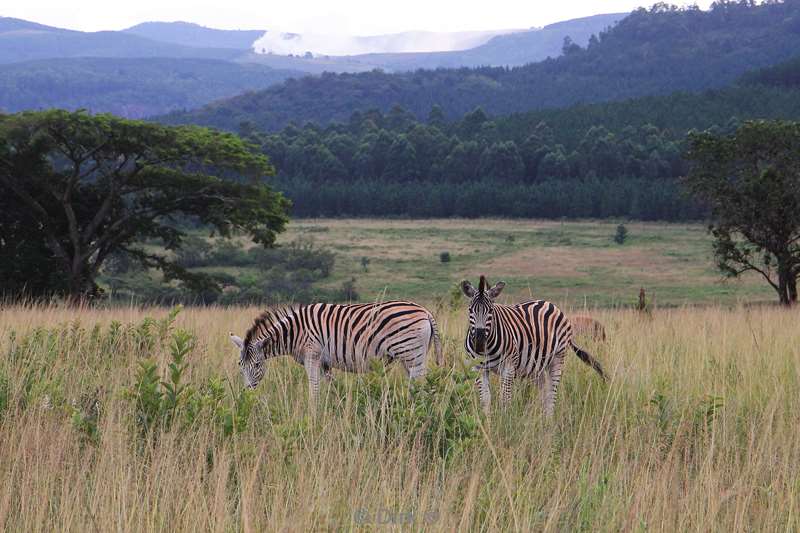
pixel 651 52
pixel 599 160
pixel 128 87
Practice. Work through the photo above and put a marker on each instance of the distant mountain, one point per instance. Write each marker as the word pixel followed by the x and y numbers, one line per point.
pixel 25 41
pixel 129 87
pixel 510 49
pixel 194 35
pixel 21 40
pixel 650 52
pixel 8 24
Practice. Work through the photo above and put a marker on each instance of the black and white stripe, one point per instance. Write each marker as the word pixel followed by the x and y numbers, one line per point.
pixel 345 337
pixel 529 339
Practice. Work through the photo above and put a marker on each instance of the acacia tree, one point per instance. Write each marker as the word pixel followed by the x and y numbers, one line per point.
pixel 90 186
pixel 751 181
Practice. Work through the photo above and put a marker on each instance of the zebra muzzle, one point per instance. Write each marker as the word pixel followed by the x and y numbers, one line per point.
pixel 480 340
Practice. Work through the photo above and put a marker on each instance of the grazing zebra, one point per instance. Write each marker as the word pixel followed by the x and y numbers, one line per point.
pixel 525 340
pixel 586 325
pixel 340 336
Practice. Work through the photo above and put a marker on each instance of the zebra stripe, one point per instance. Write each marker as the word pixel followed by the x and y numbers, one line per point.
pixel 345 337
pixel 529 339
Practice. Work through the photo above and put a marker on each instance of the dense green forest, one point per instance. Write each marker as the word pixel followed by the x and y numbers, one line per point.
pixel 128 87
pixel 651 52
pixel 617 159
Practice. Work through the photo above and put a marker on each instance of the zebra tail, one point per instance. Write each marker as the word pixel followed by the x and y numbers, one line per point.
pixel 587 358
pixel 437 342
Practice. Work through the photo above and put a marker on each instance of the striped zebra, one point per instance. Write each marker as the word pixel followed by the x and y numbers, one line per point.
pixel 524 340
pixel 345 337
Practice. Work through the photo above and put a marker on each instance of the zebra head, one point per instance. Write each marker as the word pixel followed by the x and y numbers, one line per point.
pixel 251 359
pixel 481 310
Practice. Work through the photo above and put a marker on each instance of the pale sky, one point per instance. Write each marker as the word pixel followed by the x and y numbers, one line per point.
pixel 352 17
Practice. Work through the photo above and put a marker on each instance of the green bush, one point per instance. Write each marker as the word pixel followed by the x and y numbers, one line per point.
pixel 621 235
pixel 436 414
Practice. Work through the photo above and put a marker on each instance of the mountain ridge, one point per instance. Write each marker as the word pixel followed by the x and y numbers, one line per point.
pixel 650 52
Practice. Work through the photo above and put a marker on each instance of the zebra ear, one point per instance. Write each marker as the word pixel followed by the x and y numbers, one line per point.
pixel 467 289
pixel 236 340
pixel 495 291
pixel 259 346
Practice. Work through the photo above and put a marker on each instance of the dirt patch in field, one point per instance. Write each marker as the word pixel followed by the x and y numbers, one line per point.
pixel 578 262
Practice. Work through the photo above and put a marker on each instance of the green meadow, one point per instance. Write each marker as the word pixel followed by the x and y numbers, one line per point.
pixel 575 263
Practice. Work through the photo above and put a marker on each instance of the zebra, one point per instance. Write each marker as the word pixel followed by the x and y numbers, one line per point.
pixel 529 339
pixel 345 337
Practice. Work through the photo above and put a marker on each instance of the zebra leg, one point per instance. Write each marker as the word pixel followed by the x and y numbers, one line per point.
pixel 554 375
pixel 415 372
pixel 543 384
pixel 327 371
pixel 413 359
pixel 507 384
pixel 311 362
pixel 484 392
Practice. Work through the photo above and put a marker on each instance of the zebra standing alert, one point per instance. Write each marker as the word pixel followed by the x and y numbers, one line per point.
pixel 345 337
pixel 529 339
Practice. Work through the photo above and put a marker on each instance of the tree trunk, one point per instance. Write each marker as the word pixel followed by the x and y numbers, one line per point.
pixel 81 287
pixel 792 289
pixel 785 280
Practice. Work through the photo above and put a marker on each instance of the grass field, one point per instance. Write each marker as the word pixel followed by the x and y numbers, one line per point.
pixel 697 429
pixel 568 262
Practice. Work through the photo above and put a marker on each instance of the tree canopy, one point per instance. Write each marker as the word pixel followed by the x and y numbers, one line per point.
pixel 90 186
pixel 751 180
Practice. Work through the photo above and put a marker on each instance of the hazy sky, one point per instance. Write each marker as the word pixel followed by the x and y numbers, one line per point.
pixel 354 17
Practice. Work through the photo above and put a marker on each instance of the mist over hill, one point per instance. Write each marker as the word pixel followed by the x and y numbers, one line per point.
pixel 348 45
pixel 511 49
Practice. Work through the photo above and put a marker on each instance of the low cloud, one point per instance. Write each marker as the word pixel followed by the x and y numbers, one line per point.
pixel 343 45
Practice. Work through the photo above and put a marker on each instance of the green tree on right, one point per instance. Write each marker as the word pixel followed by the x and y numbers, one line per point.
pixel 750 180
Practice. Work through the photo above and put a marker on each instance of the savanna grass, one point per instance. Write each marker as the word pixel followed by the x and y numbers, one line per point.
pixel 697 430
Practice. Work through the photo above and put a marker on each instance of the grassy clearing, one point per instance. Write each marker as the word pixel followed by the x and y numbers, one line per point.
pixel 574 263
pixel 696 431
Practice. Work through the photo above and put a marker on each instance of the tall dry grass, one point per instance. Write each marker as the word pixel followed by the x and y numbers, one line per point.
pixel 697 430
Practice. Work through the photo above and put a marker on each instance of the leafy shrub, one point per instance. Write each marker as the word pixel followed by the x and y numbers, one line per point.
pixel 456 297
pixel 348 292
pixel 156 402
pixel 436 414
pixel 85 420
pixel 195 252
pixel 444 257
pixel 621 235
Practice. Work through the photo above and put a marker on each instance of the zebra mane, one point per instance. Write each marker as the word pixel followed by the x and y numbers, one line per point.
pixel 267 319
pixel 482 285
